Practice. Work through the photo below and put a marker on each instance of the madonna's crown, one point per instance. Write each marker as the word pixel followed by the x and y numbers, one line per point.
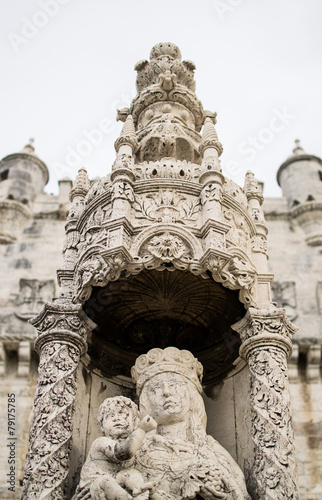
pixel 168 360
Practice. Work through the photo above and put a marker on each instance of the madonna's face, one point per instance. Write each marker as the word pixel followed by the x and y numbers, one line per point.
pixel 167 396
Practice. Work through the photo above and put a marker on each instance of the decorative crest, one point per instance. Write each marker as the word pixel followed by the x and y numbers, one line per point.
pixel 165 57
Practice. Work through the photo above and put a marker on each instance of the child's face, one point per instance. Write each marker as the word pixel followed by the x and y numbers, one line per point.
pixel 118 424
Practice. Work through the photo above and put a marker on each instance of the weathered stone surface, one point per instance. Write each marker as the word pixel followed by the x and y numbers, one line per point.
pixel 165 207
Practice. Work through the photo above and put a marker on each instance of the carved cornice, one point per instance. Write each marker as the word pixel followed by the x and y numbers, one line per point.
pixel 17 206
pixel 220 226
pixel 274 215
pixel 167 168
pixel 306 207
pixel 64 274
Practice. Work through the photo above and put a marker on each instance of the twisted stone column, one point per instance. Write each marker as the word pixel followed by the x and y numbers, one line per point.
pixel 62 331
pixel 266 344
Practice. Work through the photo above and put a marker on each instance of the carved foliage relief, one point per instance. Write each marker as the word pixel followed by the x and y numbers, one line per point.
pixel 274 464
pixel 235 272
pixel 239 234
pixel 167 206
pixel 50 435
pixel 97 271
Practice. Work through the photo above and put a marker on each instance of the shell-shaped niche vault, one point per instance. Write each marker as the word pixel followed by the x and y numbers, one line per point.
pixel 161 309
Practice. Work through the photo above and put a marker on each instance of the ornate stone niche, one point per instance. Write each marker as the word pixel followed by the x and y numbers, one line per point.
pixel 165 255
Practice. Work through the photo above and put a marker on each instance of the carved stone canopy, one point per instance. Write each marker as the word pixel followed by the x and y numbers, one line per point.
pixel 165 251
pixel 161 309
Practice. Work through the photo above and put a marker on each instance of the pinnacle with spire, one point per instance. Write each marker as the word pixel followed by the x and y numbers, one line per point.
pixel 29 147
pixel 252 187
pixel 81 184
pixel 298 150
pixel 209 138
pixel 128 136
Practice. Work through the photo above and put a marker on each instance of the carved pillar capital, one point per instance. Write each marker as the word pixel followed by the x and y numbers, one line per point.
pixel 266 344
pixel 264 328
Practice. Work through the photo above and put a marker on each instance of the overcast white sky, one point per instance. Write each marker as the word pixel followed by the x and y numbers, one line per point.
pixel 68 64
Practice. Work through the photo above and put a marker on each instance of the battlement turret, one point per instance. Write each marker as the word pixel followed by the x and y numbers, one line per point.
pixel 22 176
pixel 300 178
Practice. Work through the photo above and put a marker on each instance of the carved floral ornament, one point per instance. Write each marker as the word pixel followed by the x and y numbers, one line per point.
pixel 167 206
pixel 166 251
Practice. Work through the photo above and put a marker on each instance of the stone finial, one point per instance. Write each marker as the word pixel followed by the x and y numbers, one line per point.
pixel 209 138
pixel 81 184
pixel 128 136
pixel 165 56
pixel 252 187
pixel 165 50
pixel 29 148
pixel 298 150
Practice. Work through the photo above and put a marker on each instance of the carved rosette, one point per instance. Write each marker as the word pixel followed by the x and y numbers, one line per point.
pixel 266 337
pixel 62 331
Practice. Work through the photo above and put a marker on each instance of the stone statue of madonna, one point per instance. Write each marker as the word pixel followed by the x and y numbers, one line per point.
pixel 175 457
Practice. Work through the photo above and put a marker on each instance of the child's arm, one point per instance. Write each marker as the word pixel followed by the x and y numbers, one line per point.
pixel 102 449
pixel 128 448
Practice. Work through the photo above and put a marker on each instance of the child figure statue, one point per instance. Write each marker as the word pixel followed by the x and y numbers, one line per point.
pixel 108 473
